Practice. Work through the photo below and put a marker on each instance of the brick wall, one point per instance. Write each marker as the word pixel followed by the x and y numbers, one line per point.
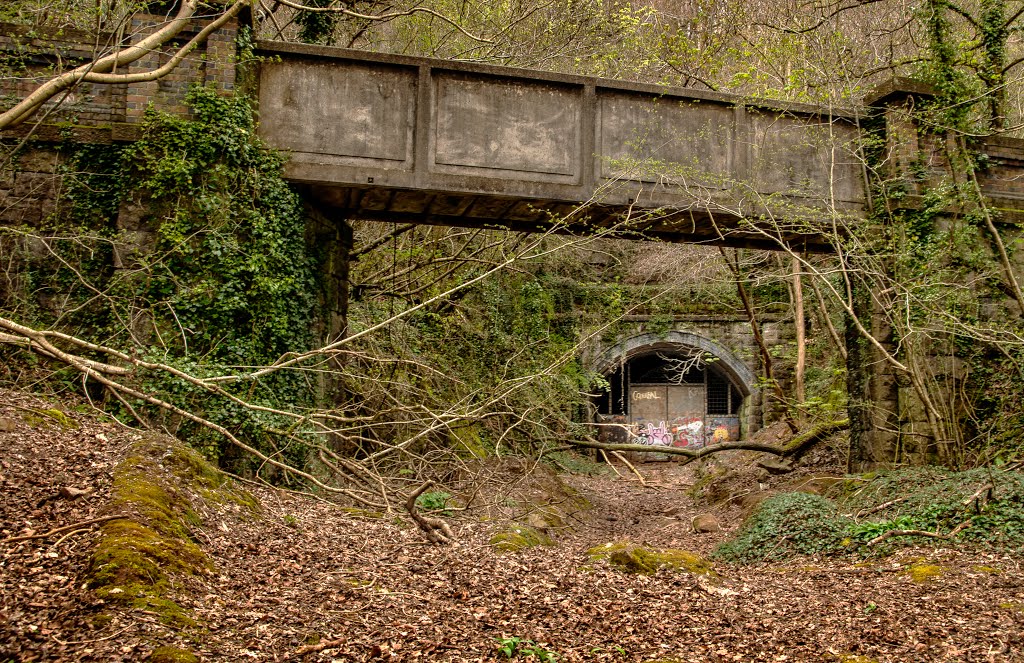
pixel 30 58
pixel 211 64
pixel 1004 176
pixel 30 184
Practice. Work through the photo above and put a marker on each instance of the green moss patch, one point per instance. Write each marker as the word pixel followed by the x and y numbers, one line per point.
pixel 36 417
pixel 631 558
pixel 924 572
pixel 519 537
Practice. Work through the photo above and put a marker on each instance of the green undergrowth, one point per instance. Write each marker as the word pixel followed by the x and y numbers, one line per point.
pixel 987 506
pixel 632 558
pixel 164 487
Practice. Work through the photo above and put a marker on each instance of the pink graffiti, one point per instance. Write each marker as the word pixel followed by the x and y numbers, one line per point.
pixel 656 435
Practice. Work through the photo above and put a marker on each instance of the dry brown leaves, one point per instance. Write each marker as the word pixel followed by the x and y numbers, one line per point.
pixel 307 581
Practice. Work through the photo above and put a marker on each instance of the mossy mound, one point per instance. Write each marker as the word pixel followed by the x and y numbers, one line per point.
pixel 537 496
pixel 983 507
pixel 519 537
pixel 37 417
pixel 631 558
pixel 161 485
pixel 172 655
pixel 935 499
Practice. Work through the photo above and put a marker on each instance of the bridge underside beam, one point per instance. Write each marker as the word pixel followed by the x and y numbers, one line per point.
pixel 695 226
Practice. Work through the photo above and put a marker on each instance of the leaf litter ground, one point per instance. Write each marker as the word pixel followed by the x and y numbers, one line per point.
pixel 305 580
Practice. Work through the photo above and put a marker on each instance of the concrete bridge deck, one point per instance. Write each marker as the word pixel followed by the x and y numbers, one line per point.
pixel 414 139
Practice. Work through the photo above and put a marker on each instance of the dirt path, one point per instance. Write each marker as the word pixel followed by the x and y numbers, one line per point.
pixel 305 575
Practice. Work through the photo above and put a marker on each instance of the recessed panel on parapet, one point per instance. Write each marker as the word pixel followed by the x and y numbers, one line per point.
pixel 509 128
pixel 803 157
pixel 341 113
pixel 666 140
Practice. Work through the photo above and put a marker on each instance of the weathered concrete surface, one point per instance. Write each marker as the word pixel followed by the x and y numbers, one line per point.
pixel 402 138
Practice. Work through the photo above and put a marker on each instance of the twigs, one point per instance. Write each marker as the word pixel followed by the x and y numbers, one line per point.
pixel 881 507
pixel 610 463
pixel 384 17
pixel 66 528
pixel 318 647
pixel 981 497
pixel 113 635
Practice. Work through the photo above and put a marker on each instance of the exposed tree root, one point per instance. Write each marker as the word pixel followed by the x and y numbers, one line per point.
pixel 436 530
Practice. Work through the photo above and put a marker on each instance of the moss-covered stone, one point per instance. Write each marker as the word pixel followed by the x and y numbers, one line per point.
pixel 631 558
pixel 467 442
pixel 519 537
pixel 169 654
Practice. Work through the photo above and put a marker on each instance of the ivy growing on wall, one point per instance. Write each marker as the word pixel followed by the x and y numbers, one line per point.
pixel 185 247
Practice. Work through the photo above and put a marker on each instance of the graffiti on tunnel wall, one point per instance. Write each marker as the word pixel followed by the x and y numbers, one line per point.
pixel 692 432
pixel 688 432
pixel 723 429
pixel 654 435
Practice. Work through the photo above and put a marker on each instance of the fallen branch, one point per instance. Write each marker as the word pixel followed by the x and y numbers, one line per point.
pixel 798 445
pixel 917 532
pixel 25 342
pixel 123 389
pixel 643 482
pixel 980 497
pixel 437 530
pixel 881 507
pixel 89 642
pixel 689 454
pixel 795 448
pixel 61 530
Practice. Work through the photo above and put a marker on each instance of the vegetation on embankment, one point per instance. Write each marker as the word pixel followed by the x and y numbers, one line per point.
pixel 875 514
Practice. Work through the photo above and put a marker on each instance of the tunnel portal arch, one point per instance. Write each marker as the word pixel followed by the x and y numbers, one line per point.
pixel 677 388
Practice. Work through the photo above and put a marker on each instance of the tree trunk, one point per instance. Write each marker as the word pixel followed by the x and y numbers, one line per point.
pixel 801 341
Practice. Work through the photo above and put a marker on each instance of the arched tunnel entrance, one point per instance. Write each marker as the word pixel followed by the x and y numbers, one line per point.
pixel 677 389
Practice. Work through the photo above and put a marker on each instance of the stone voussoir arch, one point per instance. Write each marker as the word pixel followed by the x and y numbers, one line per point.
pixel 742 377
